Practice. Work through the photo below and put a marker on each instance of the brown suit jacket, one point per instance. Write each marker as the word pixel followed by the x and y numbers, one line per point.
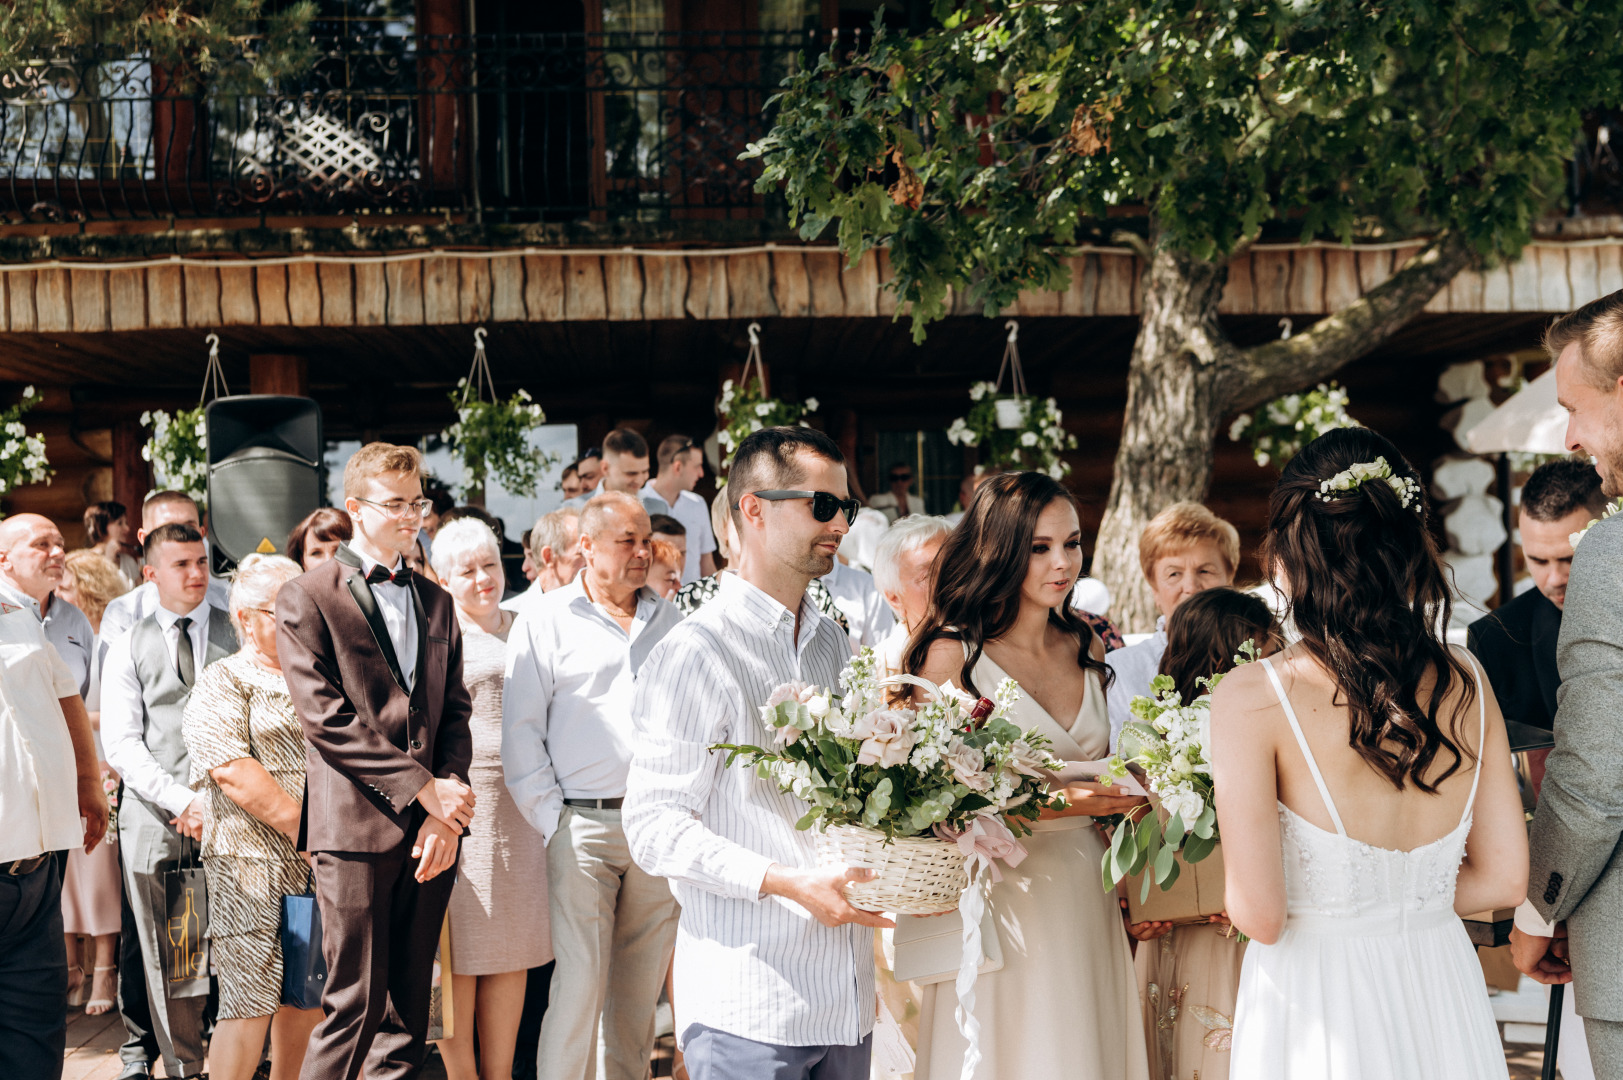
pixel 371 748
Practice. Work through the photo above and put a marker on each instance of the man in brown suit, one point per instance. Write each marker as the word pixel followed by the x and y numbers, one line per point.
pixel 373 659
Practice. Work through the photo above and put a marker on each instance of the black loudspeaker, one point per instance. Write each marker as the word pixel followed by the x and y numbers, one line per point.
pixel 264 462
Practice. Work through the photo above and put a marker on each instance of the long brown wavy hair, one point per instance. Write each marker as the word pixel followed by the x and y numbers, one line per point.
pixel 980 570
pixel 1368 594
pixel 1207 630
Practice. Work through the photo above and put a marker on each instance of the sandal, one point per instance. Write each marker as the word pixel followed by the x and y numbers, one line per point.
pixel 76 990
pixel 100 1006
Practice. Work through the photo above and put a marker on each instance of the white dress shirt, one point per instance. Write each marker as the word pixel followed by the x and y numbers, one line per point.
pixel 125 611
pixel 394 604
pixel 694 515
pixel 1135 667
pixel 566 700
pixel 856 595
pixel 122 736
pixel 760 968
pixel 39 789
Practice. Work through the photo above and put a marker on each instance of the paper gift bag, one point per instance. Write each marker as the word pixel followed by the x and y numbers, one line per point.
pixel 441 1011
pixel 185 960
pixel 304 968
pixel 1197 893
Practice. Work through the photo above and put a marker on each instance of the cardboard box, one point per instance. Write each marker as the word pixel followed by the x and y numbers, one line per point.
pixel 1196 894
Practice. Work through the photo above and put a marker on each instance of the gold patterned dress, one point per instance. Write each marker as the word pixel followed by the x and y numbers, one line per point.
pixel 237 710
pixel 1188 981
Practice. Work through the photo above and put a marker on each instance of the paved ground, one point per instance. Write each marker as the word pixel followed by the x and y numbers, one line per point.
pixel 93 1052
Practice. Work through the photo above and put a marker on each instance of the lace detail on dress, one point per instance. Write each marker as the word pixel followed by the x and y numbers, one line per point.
pixel 1340 877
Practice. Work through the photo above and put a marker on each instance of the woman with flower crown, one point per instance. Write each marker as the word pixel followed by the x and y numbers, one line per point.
pixel 1065 1002
pixel 1367 798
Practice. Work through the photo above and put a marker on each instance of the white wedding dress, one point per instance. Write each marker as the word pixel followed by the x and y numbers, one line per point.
pixel 1373 977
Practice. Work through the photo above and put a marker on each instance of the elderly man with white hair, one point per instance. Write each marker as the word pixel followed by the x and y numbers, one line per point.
pixel 498 908
pixel 904 572
pixel 855 594
pixel 553 554
pixel 566 752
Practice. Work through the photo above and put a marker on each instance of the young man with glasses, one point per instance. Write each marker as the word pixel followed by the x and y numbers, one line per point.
pixel 681 464
pixel 899 501
pixel 373 662
pixel 774 971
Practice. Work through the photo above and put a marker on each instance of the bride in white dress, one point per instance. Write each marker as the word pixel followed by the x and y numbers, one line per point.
pixel 1065 1004
pixel 1365 794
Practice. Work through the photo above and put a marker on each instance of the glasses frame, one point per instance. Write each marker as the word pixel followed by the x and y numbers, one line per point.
pixel 820 500
pixel 421 507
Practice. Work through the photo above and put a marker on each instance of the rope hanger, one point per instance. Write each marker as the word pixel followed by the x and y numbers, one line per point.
pixel 214 376
pixel 1011 363
pixel 479 378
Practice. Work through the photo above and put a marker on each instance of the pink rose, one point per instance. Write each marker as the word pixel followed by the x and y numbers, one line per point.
pixel 968 766
pixel 791 691
pixel 1026 760
pixel 887 737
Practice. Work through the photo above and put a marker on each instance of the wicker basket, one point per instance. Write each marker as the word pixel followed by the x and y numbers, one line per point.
pixel 917 875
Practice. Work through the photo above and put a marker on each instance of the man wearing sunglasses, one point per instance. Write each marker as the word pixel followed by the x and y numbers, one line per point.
pixel 899 501
pixel 760 989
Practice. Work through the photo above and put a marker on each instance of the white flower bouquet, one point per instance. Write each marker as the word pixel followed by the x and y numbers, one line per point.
pixel 913 788
pixel 1287 424
pixel 1169 743
pixel 1034 439
pixel 178 451
pixel 22 457
pixel 746 409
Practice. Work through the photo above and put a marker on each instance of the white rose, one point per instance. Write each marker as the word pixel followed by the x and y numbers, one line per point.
pixel 817 706
pixel 1186 804
pixel 1028 438
pixel 1025 759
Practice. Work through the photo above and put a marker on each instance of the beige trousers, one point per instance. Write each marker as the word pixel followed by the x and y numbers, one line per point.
pixel 613 931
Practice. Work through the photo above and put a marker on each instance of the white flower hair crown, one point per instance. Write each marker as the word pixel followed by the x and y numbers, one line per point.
pixel 1351 479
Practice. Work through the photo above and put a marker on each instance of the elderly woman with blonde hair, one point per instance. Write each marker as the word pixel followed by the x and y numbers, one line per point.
pixel 498 911
pixel 247 756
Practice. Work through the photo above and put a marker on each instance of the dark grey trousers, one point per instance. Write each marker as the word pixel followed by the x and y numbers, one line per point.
pixel 33 974
pixel 716 1055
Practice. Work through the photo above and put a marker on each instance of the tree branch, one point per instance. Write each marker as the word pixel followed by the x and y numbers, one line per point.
pixel 1263 372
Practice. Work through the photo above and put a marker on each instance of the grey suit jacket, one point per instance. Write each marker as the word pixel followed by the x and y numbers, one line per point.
pixel 1577 869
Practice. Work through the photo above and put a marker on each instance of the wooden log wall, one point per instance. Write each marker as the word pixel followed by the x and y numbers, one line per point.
pixel 476 287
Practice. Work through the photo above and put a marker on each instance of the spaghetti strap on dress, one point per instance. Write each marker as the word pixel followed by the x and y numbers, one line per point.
pixel 1373 974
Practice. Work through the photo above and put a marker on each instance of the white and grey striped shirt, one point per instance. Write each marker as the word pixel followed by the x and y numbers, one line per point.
pixel 760 968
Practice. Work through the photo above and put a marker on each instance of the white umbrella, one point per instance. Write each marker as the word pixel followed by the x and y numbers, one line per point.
pixel 1531 422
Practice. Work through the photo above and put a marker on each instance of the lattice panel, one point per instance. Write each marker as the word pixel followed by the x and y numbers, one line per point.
pixel 327 152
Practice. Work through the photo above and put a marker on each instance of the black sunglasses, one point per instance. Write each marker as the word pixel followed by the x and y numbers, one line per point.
pixel 824 504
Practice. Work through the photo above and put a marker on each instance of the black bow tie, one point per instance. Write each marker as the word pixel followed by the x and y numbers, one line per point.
pixel 378 575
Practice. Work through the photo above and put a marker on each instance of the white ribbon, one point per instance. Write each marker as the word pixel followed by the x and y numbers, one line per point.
pixel 971 907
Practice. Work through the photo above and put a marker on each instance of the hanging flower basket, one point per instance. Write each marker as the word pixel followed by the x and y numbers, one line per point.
pixel 1287 424
pixel 491 438
pixel 22 456
pixel 178 451
pixel 178 445
pixel 745 408
pixel 1016 430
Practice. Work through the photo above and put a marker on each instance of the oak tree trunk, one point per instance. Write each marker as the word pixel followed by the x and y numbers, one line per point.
pixel 1186 377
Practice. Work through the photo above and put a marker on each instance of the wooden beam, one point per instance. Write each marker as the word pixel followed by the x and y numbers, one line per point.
pixel 132 476
pixel 277 373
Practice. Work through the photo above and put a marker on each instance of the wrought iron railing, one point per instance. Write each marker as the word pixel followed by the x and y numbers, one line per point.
pixel 512 127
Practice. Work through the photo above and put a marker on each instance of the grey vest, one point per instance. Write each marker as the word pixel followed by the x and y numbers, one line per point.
pixel 163 695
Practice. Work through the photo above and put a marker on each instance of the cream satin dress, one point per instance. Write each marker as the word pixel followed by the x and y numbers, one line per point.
pixel 1065 1004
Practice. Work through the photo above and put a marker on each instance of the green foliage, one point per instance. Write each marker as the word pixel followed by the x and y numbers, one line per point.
pixel 1035 443
pixel 22 454
pixel 746 409
pixel 197 42
pixel 178 451
pixel 1278 432
pixel 492 438
pixel 979 151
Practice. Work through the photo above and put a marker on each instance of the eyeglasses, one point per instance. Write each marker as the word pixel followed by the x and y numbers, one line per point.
pixel 824 504
pixel 399 508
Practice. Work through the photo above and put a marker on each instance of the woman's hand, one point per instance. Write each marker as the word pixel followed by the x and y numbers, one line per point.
pixel 1086 799
pixel 1144 931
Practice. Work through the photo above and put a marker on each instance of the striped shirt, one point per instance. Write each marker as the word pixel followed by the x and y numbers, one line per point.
pixel 757 967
